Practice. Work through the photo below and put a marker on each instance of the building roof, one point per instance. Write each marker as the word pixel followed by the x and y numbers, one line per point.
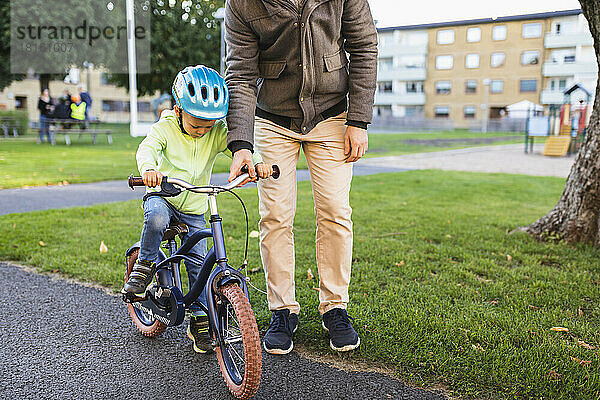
pixel 543 15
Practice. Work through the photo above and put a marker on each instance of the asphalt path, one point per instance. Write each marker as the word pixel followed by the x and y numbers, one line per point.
pixel 62 340
pixel 87 194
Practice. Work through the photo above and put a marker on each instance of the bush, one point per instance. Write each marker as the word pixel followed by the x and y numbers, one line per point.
pixel 19 120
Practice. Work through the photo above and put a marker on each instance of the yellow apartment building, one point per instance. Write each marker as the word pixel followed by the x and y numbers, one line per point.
pixel 486 64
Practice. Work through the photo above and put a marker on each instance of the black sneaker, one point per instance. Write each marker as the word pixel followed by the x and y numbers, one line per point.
pixel 198 333
pixel 278 339
pixel 140 277
pixel 342 334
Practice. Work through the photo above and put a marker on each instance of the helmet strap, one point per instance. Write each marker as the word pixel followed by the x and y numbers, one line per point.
pixel 180 120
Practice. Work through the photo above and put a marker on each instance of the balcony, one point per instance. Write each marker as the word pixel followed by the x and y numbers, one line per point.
pixel 402 74
pixel 551 96
pixel 554 41
pixel 390 50
pixel 409 99
pixel 569 69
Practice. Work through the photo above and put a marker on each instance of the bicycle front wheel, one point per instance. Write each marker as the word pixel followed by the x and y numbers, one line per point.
pixel 239 354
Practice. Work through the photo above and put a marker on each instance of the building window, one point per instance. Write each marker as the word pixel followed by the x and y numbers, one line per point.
pixel 497 86
pixel 533 30
pixel 144 107
pixel 115 105
pixel 552 86
pixel 473 35
pixel 469 112
pixel 416 38
pixel 562 84
pixel 104 77
pixel 471 86
pixel 528 85
pixel 386 64
pixel 569 59
pixel 472 61
pixel 414 87
pixel 530 57
pixel 444 62
pixel 443 87
pixel 499 32
pixel 442 111
pixel 384 87
pixel 497 60
pixel 445 36
pixel 21 102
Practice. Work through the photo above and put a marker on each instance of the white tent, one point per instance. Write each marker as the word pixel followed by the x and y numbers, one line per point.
pixel 522 108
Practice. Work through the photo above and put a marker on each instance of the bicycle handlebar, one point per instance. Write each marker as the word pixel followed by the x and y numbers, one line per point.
pixel 138 181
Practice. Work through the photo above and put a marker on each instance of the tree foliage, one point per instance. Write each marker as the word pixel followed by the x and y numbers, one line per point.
pixel 183 33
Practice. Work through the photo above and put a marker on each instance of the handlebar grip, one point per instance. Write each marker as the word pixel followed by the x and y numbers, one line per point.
pixel 276 172
pixel 135 181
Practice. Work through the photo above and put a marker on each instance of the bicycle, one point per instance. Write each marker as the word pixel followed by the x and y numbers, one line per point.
pixel 232 324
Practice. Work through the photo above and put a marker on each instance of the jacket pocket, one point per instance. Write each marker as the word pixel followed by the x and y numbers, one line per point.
pixel 335 61
pixel 271 69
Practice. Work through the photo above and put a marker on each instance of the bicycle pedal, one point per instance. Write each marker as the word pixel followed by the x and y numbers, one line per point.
pixel 132 298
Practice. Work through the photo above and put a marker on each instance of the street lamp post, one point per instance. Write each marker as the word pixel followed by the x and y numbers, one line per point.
pixel 484 106
pixel 220 15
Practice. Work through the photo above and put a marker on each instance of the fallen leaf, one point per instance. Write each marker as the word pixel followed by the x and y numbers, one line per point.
pixel 317 289
pixel 65 183
pixel 552 374
pixel 60 170
pixel 477 347
pixel 399 264
pixel 583 363
pixel 559 329
pixel 579 312
pixel 534 308
pixel 508 257
pixel 42 244
pixel 585 345
pixel 253 234
pixel 55 271
pixel 254 270
pixel 309 274
pixel 448 236
pixel 14 225
pixel 448 221
pixel 103 248
pixel 16 246
pixel 494 302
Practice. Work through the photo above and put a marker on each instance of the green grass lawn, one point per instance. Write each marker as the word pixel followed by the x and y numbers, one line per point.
pixel 439 291
pixel 23 162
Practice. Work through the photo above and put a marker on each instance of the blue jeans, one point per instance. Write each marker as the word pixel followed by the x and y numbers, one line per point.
pixel 44 129
pixel 158 213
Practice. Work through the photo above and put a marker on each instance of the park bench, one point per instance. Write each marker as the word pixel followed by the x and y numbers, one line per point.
pixel 68 127
pixel 9 125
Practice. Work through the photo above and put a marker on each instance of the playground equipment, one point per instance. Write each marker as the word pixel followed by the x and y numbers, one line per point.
pixel 568 123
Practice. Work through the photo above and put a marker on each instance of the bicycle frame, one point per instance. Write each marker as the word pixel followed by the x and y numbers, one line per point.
pixel 209 279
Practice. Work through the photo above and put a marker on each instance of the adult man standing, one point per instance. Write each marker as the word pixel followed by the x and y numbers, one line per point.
pixel 291 54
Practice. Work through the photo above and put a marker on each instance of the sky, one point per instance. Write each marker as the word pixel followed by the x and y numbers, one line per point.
pixel 410 12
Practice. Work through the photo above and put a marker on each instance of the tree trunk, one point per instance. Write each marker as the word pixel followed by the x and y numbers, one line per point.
pixel 44 82
pixel 576 216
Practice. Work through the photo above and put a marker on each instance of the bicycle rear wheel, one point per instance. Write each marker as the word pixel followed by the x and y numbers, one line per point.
pixel 240 356
pixel 147 325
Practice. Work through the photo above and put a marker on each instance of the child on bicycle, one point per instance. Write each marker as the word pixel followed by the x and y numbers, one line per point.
pixel 183 144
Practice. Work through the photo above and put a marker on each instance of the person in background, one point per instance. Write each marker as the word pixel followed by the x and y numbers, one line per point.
pixel 78 108
pixel 86 98
pixel 45 106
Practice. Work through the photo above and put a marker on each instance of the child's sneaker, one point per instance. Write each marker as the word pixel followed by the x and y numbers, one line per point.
pixel 140 277
pixel 278 339
pixel 198 333
pixel 342 334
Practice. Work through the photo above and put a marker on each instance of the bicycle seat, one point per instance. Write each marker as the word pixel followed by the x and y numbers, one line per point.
pixel 174 230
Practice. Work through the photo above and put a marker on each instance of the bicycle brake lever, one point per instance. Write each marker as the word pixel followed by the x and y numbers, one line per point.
pixel 166 190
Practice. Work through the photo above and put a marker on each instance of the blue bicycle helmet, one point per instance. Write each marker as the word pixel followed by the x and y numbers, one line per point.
pixel 201 92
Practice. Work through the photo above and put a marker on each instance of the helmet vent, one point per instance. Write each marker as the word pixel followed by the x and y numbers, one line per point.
pixel 191 89
pixel 216 93
pixel 204 92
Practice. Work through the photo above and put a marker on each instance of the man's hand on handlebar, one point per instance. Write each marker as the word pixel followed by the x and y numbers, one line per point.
pixel 152 178
pixel 241 158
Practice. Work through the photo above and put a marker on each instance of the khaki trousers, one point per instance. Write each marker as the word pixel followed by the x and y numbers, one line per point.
pixel 331 177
